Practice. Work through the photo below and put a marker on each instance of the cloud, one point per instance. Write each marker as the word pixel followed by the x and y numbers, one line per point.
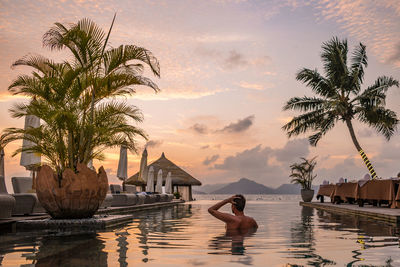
pixel 293 150
pixel 375 21
pixel 232 59
pixel 265 164
pixel 210 160
pixel 239 126
pixel 395 57
pixel 199 128
pixel 365 132
pixel 254 86
pixel 154 143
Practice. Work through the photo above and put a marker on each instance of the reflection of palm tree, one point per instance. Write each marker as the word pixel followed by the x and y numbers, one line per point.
pixel 366 230
pixel 303 239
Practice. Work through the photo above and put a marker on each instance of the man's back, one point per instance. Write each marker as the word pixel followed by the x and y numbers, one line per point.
pixel 242 223
pixel 238 221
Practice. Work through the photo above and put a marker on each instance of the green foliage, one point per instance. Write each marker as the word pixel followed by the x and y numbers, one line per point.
pixel 76 99
pixel 302 173
pixel 339 95
pixel 177 195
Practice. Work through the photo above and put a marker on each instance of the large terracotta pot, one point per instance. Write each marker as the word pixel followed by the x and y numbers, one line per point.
pixel 79 195
pixel 307 195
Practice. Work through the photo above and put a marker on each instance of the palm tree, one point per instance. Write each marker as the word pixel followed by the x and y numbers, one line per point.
pixel 340 97
pixel 302 173
pixel 76 99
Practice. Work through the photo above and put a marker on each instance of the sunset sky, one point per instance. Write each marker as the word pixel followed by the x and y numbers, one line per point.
pixel 227 67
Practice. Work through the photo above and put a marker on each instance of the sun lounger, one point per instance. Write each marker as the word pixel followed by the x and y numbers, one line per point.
pixel 379 192
pixel 345 192
pixel 325 190
pixel 170 197
pixel 122 199
pixel 7 202
pixel 130 188
pixel 107 202
pixel 140 199
pixel 26 203
pixel 150 199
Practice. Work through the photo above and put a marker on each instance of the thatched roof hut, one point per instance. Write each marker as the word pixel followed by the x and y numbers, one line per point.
pixel 179 176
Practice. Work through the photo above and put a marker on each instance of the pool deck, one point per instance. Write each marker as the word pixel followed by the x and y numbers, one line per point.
pixel 108 217
pixel 377 213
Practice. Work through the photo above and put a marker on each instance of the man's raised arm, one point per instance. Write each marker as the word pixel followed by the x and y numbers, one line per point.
pixel 225 217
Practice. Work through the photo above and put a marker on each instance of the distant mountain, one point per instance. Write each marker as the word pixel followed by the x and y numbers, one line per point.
pixel 198 192
pixel 287 189
pixel 244 186
pixel 247 186
pixel 208 188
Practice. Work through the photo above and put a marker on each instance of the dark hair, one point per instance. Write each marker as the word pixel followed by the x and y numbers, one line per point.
pixel 239 202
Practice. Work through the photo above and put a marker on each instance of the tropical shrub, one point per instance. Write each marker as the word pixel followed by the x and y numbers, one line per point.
pixel 302 173
pixel 77 100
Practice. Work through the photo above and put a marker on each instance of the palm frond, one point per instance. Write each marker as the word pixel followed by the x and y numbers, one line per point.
pixel 316 82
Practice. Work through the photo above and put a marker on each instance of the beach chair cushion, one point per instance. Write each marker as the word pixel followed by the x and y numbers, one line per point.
pixel 115 188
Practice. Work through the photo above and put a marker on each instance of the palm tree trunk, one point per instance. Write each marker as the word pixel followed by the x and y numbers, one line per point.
pixel 360 150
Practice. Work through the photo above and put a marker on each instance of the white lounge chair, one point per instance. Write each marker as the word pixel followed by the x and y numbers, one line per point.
pixel 26 203
pixel 7 202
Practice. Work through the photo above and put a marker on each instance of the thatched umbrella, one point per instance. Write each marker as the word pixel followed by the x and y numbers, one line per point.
pixel 150 180
pixel 28 159
pixel 122 172
pixel 159 182
pixel 178 176
pixel 168 184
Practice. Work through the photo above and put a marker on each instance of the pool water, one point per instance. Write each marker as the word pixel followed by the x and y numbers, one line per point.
pixel 186 235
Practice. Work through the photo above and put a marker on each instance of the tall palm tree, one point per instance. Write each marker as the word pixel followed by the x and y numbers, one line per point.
pixel 340 97
pixel 76 99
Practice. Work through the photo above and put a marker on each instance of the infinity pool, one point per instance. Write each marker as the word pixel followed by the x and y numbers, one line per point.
pixel 186 235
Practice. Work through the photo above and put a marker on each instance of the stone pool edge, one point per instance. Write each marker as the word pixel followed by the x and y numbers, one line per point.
pixel 381 214
pixel 105 218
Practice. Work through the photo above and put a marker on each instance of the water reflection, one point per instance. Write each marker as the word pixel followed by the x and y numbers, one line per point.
pixel 187 235
pixel 69 250
pixel 370 233
pixel 154 226
pixel 303 240
pixel 229 243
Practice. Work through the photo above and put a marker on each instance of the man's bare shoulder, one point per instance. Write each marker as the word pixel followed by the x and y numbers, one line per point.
pixel 251 222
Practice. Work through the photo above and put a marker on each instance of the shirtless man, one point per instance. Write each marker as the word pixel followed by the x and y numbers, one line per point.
pixel 237 222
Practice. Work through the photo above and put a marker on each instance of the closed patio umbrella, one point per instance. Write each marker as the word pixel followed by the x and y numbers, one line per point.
pixel 168 184
pixel 2 163
pixel 150 180
pixel 122 172
pixel 159 182
pixel 143 166
pixel 30 160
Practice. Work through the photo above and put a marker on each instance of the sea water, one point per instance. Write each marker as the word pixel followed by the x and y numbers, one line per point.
pixel 186 235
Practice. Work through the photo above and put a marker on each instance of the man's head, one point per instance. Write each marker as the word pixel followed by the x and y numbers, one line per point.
pixel 239 202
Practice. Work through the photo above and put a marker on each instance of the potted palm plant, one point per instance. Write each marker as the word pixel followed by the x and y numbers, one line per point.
pixel 302 174
pixel 76 101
